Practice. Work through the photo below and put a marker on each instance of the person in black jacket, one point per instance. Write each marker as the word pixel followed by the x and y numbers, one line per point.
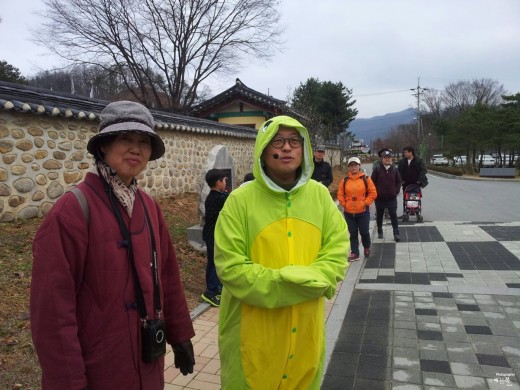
pixel 216 180
pixel 412 169
pixel 387 180
pixel 322 170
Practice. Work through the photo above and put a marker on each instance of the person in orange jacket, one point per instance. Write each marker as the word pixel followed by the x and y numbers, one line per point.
pixel 356 192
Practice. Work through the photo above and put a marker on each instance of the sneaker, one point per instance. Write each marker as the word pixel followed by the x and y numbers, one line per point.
pixel 213 301
pixel 367 252
pixel 380 234
pixel 396 237
pixel 353 256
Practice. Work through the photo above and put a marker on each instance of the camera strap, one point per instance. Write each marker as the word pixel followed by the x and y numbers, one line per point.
pixel 128 242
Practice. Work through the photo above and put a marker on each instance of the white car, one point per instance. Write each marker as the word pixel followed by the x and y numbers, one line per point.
pixel 486 161
pixel 460 160
pixel 439 159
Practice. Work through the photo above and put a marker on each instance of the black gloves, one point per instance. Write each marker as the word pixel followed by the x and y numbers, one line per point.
pixel 184 357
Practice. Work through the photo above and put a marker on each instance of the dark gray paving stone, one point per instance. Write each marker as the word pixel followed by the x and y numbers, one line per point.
pixel 492 360
pixel 426 312
pixel 477 329
pixel 369 384
pixel 465 307
pixel 370 372
pixel 429 335
pixel 374 360
pixel 335 382
pixel 502 233
pixel 435 366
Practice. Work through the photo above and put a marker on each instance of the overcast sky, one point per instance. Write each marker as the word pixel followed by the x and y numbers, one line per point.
pixel 377 48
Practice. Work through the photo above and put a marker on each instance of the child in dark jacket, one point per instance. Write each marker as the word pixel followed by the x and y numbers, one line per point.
pixel 387 180
pixel 216 180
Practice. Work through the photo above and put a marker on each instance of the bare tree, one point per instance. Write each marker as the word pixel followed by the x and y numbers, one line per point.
pixel 162 49
pixel 464 94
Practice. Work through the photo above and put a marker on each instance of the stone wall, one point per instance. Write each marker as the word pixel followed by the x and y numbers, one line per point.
pixel 44 156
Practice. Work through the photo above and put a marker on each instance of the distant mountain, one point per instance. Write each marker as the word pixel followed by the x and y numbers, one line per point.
pixel 368 129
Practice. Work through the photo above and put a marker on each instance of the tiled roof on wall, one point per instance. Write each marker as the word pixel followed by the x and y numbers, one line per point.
pixel 37 101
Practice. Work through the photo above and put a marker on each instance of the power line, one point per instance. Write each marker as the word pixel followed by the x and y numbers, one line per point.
pixel 381 93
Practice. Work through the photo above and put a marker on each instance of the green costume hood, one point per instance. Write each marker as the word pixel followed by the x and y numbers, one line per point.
pixel 266 132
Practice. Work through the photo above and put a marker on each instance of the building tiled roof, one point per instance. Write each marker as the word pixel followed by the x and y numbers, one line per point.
pixel 240 91
pixel 37 101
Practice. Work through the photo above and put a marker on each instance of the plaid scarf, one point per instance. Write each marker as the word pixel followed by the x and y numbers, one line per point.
pixel 125 195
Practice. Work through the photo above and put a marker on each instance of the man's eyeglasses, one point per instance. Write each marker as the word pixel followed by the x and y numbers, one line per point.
pixel 279 142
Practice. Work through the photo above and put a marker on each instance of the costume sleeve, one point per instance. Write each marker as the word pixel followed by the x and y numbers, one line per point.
pixel 331 263
pixel 372 192
pixel 179 326
pixel 59 252
pixel 265 287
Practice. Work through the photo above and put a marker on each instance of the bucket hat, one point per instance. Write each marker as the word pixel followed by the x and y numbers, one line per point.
pixel 126 116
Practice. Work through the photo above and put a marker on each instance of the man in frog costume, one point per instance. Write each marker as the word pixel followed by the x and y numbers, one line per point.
pixel 281 247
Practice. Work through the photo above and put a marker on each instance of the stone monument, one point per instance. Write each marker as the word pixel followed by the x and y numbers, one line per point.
pixel 218 158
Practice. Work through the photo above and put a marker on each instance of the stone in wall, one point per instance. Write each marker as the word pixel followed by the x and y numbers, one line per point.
pixel 8 158
pixel 7 217
pixel 15 201
pixel 5 190
pixel 55 190
pixel 52 164
pixel 37 196
pixel 35 131
pixel 4 131
pixel 39 154
pixel 23 185
pixel 24 145
pixel 28 212
pixel 72 177
pixel 6 146
pixel 18 170
pixel 27 157
pixel 3 174
pixel 59 155
pixel 38 142
pixel 46 207
pixel 41 179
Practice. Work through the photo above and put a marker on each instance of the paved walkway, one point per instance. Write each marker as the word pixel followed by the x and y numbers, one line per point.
pixel 438 310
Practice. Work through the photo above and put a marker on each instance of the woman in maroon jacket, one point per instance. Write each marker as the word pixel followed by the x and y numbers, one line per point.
pixel 87 317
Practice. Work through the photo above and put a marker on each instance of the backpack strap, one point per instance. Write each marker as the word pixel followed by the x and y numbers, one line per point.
pixel 82 202
pixel 364 181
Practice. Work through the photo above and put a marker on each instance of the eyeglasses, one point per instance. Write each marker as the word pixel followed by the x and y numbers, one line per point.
pixel 279 143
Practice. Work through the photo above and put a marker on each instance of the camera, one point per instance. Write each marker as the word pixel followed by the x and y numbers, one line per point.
pixel 153 340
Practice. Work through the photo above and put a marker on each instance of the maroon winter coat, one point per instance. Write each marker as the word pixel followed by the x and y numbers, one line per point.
pixel 85 327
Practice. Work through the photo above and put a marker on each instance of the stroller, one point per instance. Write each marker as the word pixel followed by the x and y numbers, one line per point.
pixel 412 202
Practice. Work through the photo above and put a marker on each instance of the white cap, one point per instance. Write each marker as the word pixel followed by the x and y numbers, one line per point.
pixel 354 159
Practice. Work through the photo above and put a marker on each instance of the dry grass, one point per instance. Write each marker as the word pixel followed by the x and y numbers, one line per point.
pixel 19 368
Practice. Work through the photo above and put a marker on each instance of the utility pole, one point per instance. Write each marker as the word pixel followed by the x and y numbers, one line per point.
pixel 417 93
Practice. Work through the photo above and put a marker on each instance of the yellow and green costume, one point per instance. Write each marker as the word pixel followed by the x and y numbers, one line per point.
pixel 278 254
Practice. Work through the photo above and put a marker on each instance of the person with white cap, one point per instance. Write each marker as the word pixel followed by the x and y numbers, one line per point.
pixel 356 192
pixel 106 293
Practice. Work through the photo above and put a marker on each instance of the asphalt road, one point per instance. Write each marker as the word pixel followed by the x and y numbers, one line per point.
pixel 449 199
